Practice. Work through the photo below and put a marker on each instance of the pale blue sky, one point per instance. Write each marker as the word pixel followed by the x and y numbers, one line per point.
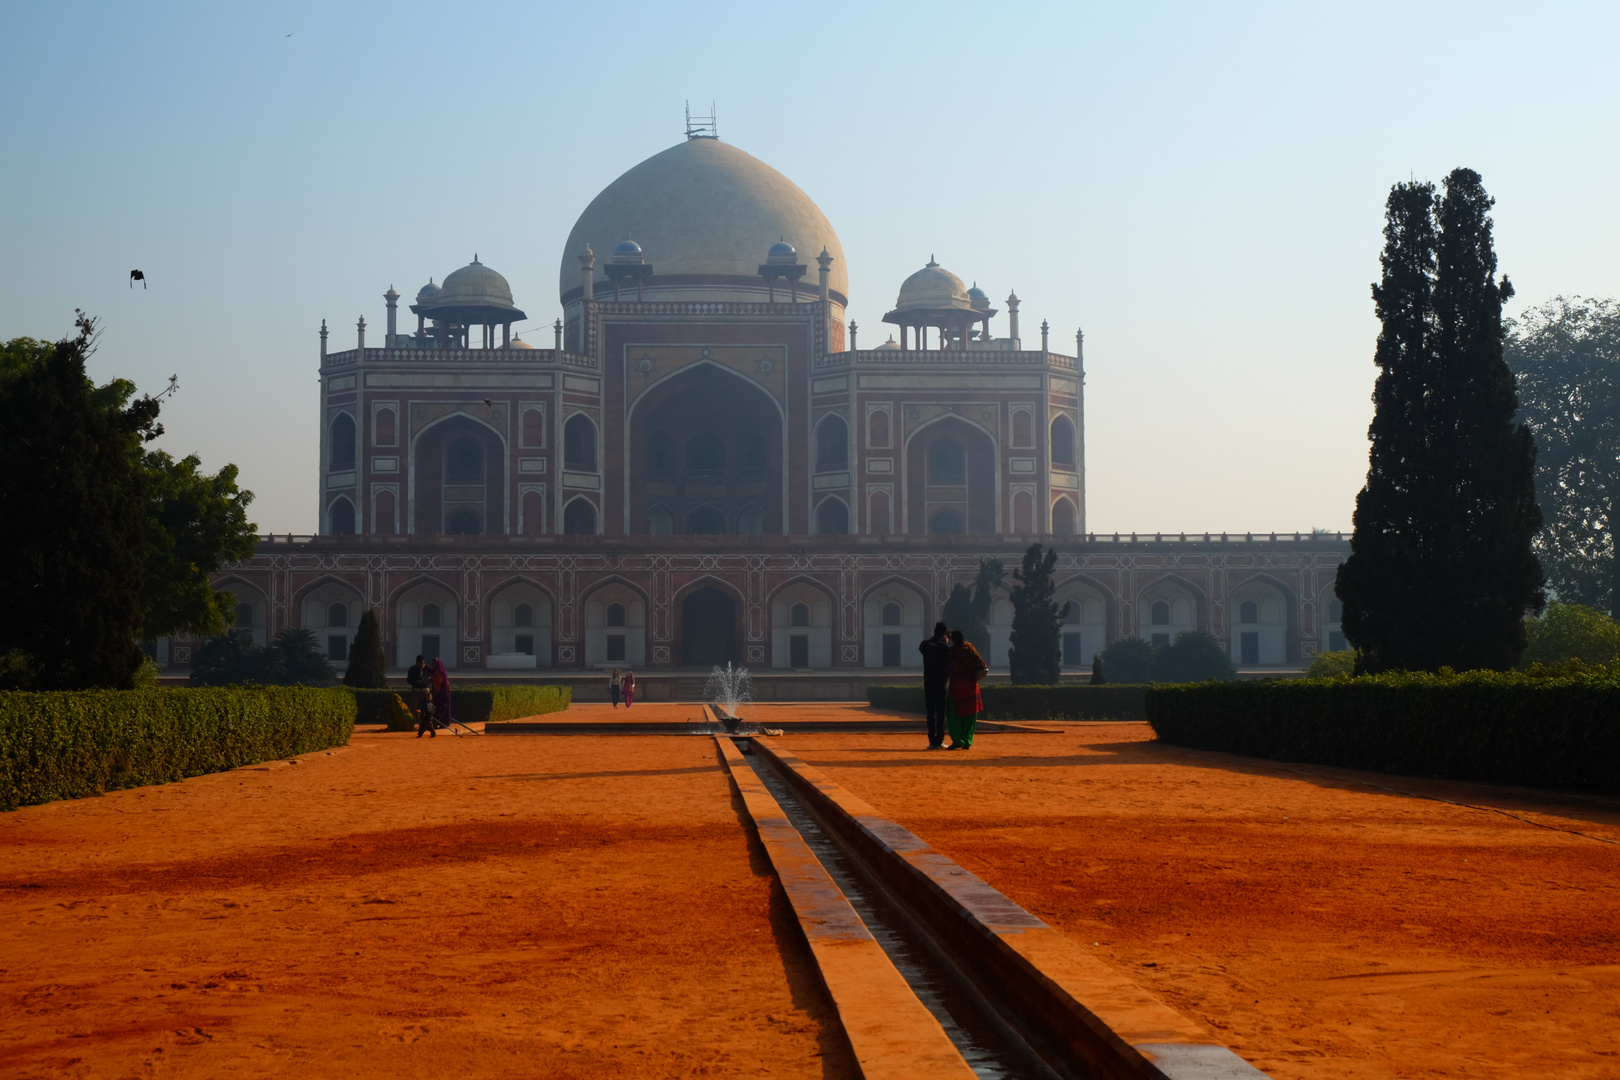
pixel 1201 188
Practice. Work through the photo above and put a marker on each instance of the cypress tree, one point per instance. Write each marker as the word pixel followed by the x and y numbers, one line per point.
pixel 367 666
pixel 1035 655
pixel 73 504
pixel 1441 572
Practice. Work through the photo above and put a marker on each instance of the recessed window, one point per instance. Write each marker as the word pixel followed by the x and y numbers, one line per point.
pixel 431 615
pixel 705 455
pixel 523 643
pixel 890 614
pixel 462 523
pixel 799 615
pixel 341 518
pixel 1248 612
pixel 799 651
pixel 615 647
pixel 1063 442
pixel 832 518
pixel 337 615
pixel 534 427
pixel 946 462
pixel 340 451
pixel 464 462
pixel 579 444
pixel 877 430
pixel 1160 613
pixel 1021 428
pixel 891 650
pixel 383 427
pixel 832 444
pixel 615 614
pixel 946 523
pixel 751 522
pixel 337 648
pixel 244 615
pixel 1335 611
pixel 660 522
pixel 579 518
pixel 705 521
pixel 523 615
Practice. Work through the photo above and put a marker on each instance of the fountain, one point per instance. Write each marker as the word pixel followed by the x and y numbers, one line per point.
pixel 728 687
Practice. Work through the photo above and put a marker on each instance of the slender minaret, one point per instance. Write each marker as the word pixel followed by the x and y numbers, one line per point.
pixel 556 335
pixel 852 335
pixel 392 299
pixel 825 261
pixel 1012 317
pixel 361 326
pixel 323 339
pixel 1045 330
pixel 587 264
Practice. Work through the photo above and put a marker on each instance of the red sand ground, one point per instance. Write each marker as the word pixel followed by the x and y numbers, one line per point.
pixel 477 907
pixel 1320 926
pixel 584 906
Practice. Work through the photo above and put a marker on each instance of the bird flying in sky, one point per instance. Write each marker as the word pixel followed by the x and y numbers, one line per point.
pixel 136 275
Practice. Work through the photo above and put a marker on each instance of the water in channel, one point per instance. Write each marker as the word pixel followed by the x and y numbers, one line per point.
pixel 985 1042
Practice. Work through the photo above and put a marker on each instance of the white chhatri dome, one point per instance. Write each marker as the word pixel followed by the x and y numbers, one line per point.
pixel 703 209
pixel 474 284
pixel 933 287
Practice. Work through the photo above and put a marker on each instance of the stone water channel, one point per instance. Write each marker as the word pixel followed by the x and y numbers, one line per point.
pixel 992 1048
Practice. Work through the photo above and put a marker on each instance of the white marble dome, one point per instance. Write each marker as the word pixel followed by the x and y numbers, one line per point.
pixel 708 212
pixel 474 285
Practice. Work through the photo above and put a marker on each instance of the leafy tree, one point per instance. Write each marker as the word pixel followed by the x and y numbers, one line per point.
pixel 1441 571
pixel 1332 664
pixel 296 660
pixel 73 504
pixel 967 610
pixel 1567 632
pixel 194 524
pixel 1128 660
pixel 367 665
pixel 1035 656
pixel 1566 355
pixel 1195 656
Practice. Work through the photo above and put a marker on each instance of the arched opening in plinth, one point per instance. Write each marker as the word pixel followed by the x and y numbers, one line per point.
pixel 709 628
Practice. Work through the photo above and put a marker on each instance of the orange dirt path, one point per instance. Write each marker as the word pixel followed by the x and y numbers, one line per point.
pixel 1321 927
pixel 496 906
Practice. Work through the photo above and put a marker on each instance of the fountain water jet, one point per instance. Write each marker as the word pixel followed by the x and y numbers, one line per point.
pixel 728 687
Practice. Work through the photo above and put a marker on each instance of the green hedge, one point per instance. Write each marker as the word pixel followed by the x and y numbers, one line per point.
pixel 1498 727
pixel 472 704
pixel 1075 701
pixel 66 745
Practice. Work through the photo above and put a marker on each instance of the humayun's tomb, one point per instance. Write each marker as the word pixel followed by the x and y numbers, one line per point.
pixel 704 466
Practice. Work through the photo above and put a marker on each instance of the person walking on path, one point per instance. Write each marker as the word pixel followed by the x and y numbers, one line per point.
pixel 441 695
pixel 936 654
pixel 967 667
pixel 418 678
pixel 613 687
pixel 629 688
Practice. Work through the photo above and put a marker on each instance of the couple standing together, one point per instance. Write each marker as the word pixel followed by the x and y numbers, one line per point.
pixel 952 668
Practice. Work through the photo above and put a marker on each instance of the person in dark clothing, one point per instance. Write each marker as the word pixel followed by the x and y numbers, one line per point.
pixel 418 678
pixel 936 654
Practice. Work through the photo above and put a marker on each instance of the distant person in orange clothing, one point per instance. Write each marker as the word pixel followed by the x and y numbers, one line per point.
pixel 629 688
pixel 964 705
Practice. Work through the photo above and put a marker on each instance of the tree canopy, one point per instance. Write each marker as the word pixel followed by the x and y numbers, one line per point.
pixel 1035 654
pixel 104 529
pixel 1441 571
pixel 967 609
pixel 1566 355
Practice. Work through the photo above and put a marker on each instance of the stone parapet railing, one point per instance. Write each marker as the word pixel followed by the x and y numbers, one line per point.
pixel 988 358
pixel 504 357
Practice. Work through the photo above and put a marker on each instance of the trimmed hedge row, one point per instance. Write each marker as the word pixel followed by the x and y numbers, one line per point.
pixel 1497 727
pixel 66 745
pixel 1076 701
pixel 472 704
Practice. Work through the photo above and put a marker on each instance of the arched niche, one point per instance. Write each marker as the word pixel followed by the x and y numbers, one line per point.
pixel 1330 619
pixel 951 479
pixel 460 479
pixel 1262 619
pixel 705 437
pixel 1086 614
pixel 425 623
pixel 519 627
pixel 709 629
pixel 615 627
pixel 801 627
pixel 1165 609
pixel 340 443
pixel 252 609
pixel 832 517
pixel 331 611
pixel 893 615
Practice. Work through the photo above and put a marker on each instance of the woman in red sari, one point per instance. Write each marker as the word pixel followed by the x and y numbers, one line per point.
pixel 962 707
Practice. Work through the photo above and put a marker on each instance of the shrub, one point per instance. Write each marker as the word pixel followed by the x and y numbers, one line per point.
pixel 1195 656
pixel 292 659
pixel 1572 632
pixel 1336 664
pixel 69 744
pixel 367 665
pixel 1547 728
pixel 472 704
pixel 1128 660
pixel 1067 701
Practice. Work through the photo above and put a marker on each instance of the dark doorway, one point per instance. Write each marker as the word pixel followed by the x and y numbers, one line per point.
pixel 708 628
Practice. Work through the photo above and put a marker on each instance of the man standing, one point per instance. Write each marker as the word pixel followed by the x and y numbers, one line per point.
pixel 936 654
pixel 418 678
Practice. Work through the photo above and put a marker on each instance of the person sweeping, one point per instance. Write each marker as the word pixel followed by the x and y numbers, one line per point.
pixel 962 708
pixel 441 694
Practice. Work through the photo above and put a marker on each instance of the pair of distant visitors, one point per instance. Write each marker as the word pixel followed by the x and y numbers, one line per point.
pixel 622 684
pixel 952 668
pixel 430 696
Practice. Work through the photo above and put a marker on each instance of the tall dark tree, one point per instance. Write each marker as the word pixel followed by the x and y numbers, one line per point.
pixel 1036 652
pixel 967 609
pixel 368 668
pixel 73 505
pixel 1441 571
pixel 1566 355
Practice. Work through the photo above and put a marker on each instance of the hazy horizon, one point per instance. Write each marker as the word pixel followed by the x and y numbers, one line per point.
pixel 1202 191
